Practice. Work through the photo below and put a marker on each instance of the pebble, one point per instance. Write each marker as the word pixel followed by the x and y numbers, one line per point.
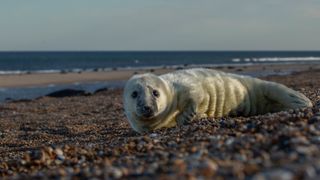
pixel 60 157
pixel 316 139
pixel 229 141
pixel 116 173
pixel 153 135
pixel 314 119
pixel 310 172
pixel 208 168
pixel 278 174
pixel 172 144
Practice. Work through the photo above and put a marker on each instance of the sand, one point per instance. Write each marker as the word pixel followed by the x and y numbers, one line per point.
pixel 87 137
pixel 26 80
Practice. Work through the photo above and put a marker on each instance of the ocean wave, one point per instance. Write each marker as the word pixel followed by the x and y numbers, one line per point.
pixel 232 62
pixel 18 72
pixel 12 72
pixel 276 59
pixel 49 71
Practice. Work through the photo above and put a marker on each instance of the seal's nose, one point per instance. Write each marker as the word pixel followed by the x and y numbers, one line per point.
pixel 147 109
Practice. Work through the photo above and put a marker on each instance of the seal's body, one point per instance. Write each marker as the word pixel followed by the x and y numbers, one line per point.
pixel 153 102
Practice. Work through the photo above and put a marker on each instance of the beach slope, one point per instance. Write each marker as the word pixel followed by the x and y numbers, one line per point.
pixel 89 137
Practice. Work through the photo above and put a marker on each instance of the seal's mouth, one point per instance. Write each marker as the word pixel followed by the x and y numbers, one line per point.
pixel 148 115
pixel 145 117
pixel 145 113
pixel 146 123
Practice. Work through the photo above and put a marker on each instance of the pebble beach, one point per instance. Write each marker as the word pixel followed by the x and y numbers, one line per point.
pixel 88 137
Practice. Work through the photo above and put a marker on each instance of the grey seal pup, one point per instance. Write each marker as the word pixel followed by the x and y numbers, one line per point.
pixel 175 98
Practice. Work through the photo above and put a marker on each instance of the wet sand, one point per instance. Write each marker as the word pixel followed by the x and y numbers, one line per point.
pixel 88 137
pixel 26 80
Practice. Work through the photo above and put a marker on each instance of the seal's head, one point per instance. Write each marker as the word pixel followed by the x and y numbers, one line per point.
pixel 145 99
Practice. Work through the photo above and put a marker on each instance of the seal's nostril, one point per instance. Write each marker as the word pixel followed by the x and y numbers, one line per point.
pixel 146 109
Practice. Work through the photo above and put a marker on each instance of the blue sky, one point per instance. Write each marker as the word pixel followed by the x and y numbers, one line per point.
pixel 159 25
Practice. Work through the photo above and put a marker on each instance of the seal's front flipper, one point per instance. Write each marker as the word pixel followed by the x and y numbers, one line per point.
pixel 187 115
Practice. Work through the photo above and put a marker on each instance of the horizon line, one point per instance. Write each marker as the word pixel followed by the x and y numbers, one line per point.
pixel 43 51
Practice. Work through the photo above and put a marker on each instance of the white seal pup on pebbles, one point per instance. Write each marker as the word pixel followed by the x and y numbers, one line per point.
pixel 153 102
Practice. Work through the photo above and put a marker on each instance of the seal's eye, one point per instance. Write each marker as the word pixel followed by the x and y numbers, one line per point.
pixel 156 93
pixel 134 94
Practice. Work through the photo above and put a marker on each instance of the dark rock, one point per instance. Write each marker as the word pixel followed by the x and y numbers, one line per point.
pixel 68 93
pixel 20 100
pixel 63 72
pixel 101 90
pixel 8 99
pixel 314 119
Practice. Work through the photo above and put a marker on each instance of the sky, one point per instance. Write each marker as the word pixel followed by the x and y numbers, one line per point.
pixel 107 25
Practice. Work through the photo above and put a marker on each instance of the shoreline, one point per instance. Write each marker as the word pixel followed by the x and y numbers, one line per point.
pixel 33 86
pixel 46 79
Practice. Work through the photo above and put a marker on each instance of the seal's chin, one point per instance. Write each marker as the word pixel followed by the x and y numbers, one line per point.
pixel 148 116
pixel 145 117
pixel 146 124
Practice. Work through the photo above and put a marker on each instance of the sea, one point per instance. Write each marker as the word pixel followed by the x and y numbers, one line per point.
pixel 64 62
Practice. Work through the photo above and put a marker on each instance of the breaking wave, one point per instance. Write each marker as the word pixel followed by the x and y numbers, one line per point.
pixel 276 59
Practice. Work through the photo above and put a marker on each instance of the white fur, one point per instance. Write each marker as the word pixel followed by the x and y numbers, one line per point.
pixel 197 93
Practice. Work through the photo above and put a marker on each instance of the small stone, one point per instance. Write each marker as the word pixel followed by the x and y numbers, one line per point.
pixel 310 172
pixel 58 151
pixel 172 144
pixel 281 174
pixel 300 140
pixel 180 164
pixel 290 111
pixel 116 173
pixel 208 168
pixel 314 119
pixel 194 149
pixel 316 139
pixel 277 174
pixel 23 162
pixel 307 150
pixel 229 141
pixel 1 134
pixel 153 135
